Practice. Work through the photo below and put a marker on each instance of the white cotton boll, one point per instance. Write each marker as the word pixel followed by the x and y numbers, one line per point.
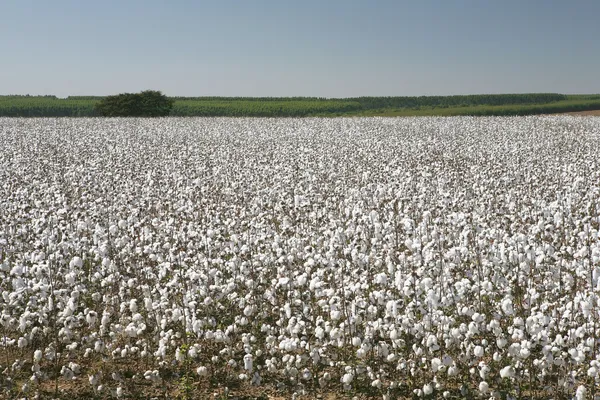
pixel 507 306
pixel 301 280
pixel 22 342
pixel 581 392
pixel 356 341
pixel 91 318
pixel 484 387
pixel 361 353
pixel 120 392
pixel 592 372
pixel 148 304
pixel 376 384
pixel 202 371
pixel 177 315
pixel 248 362
pixel 76 262
pixel 478 351
pixel 381 278
pixel 37 356
pixel 427 389
pixel 435 364
pixel 473 329
pixel 67 373
pixel 70 278
pixel 507 372
pixel 484 371
pixel 98 346
pixel 447 360
pixel 94 379
pixel 501 342
pixel 347 378
pixel 113 230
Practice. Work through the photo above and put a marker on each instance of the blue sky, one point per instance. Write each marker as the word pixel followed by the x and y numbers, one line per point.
pixel 326 48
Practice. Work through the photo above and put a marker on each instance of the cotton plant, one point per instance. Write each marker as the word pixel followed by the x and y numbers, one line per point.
pixel 432 257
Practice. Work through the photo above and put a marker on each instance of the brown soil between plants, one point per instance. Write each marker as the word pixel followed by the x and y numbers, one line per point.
pixel 584 113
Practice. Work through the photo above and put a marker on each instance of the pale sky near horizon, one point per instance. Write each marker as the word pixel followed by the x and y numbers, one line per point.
pixel 327 48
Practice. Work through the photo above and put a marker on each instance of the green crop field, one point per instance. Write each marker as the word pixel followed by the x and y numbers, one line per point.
pixel 493 104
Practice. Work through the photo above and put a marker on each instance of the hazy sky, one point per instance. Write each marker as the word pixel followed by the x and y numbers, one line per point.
pixel 324 48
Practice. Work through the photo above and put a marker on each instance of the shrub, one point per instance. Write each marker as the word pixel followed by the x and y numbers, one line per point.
pixel 149 103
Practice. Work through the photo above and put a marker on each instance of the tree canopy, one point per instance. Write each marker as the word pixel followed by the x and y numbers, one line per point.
pixel 149 103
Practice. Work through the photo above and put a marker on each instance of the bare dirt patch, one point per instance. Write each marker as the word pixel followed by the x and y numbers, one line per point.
pixel 585 113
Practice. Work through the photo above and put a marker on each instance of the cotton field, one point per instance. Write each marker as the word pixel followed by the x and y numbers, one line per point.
pixel 369 257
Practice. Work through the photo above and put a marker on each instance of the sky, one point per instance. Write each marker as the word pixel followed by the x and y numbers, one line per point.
pixel 325 48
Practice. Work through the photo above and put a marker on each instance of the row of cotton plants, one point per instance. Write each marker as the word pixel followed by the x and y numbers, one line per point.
pixel 410 257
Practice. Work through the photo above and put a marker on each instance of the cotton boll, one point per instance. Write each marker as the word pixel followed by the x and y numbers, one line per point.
pixel 581 392
pixel 202 371
pixel 76 263
pixel 67 373
pixel 501 342
pixel 478 351
pixel 507 372
pixel 507 306
pixel 347 378
pixel 361 353
pixel 22 342
pixel 427 389
pixel 91 318
pixel 435 364
pixel 248 362
pixel 484 387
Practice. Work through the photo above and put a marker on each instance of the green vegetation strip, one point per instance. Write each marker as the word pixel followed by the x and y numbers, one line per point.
pixel 497 104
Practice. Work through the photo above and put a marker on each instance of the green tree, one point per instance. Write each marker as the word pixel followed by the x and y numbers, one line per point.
pixel 149 103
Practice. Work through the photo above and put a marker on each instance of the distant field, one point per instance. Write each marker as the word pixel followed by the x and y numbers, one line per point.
pixel 496 104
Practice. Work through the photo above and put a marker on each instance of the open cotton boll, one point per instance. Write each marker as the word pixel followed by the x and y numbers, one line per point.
pixel 478 351
pixel 76 262
pixel 347 378
pixel 581 392
pixel 427 389
pixel 507 372
pixel 484 387
pixel 202 371
pixel 248 362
